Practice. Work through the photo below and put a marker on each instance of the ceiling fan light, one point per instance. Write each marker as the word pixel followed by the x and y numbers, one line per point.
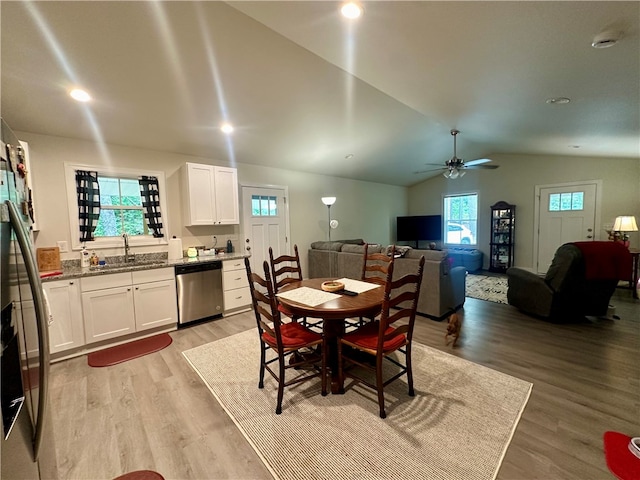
pixel 454 173
pixel 461 173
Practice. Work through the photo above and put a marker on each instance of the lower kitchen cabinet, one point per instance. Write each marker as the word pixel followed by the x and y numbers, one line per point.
pixel 119 304
pixel 107 307
pixel 66 331
pixel 237 296
pixel 154 298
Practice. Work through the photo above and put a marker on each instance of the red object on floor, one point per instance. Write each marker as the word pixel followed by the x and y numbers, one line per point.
pixel 622 463
pixel 128 351
pixel 140 475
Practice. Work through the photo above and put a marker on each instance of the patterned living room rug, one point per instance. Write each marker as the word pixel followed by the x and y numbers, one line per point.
pixel 492 288
pixel 458 425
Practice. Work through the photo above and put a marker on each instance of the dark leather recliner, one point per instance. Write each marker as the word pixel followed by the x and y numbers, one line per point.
pixel 580 281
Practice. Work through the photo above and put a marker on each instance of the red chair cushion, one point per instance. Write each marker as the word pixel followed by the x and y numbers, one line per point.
pixel 294 335
pixel 367 337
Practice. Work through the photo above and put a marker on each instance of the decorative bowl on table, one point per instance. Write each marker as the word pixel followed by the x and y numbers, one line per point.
pixel 332 286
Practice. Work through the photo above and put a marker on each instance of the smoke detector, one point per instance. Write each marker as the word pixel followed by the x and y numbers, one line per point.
pixel 605 39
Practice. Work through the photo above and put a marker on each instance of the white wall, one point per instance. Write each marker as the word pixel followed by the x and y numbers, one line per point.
pixel 364 210
pixel 515 182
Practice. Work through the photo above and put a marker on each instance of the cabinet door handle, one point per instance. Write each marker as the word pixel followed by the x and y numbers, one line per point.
pixel 128 289
pixel 137 288
pixel 70 283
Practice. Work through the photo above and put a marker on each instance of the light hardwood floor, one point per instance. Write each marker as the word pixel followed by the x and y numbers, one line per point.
pixel 155 413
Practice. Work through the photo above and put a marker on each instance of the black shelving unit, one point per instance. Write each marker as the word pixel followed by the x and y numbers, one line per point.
pixel 503 217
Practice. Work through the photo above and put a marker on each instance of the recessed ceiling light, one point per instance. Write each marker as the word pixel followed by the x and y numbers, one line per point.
pixel 348 156
pixel 226 127
pixel 558 101
pixel 606 39
pixel 79 95
pixel 351 10
pixel 574 146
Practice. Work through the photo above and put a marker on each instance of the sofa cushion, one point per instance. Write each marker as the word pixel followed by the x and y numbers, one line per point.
pixel 349 248
pixel 353 241
pixel 429 255
pixel 334 246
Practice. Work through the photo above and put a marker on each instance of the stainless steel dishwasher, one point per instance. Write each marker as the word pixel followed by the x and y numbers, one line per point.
pixel 199 288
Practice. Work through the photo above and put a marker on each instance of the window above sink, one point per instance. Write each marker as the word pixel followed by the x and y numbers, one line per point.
pixel 121 207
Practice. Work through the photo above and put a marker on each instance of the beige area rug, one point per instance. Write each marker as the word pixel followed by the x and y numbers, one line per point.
pixel 458 426
pixel 485 287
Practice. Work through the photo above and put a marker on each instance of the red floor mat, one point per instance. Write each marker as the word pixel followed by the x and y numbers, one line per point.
pixel 128 351
pixel 620 460
pixel 141 475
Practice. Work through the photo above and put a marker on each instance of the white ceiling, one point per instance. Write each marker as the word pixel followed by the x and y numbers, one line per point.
pixel 304 87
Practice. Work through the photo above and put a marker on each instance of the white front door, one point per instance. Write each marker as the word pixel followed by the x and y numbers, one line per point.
pixel 567 213
pixel 265 219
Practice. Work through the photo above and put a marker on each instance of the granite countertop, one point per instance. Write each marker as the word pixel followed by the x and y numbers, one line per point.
pixel 148 261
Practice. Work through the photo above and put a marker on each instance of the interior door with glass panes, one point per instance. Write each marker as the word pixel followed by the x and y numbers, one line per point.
pixel 567 214
pixel 265 219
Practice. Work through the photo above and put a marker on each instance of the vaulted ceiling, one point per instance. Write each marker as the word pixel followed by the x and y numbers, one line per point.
pixel 306 88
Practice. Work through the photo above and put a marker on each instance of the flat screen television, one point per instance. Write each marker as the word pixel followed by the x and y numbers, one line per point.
pixel 419 227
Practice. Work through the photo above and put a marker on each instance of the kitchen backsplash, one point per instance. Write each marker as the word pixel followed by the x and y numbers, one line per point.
pixel 140 257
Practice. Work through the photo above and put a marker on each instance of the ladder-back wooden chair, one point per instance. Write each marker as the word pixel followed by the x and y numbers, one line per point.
pixel 381 338
pixel 374 270
pixel 283 339
pixel 286 269
pixel 376 265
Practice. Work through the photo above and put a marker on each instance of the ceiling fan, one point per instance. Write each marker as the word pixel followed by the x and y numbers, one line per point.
pixel 455 167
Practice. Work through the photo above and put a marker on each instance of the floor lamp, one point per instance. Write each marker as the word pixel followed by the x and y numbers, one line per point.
pixel 328 201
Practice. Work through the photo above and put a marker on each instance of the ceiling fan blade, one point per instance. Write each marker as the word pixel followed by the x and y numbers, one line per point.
pixel 430 170
pixel 487 167
pixel 478 161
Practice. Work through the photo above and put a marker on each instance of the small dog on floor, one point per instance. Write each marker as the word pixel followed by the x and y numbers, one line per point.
pixel 454 326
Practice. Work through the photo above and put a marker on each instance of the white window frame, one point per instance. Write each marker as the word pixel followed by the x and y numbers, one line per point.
pixel 445 220
pixel 112 242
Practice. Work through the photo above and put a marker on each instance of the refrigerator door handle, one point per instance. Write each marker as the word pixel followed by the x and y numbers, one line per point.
pixel 41 320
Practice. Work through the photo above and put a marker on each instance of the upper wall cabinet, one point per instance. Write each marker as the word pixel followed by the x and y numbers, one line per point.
pixel 211 195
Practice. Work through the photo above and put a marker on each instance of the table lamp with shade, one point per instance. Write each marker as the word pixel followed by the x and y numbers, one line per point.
pixel 623 225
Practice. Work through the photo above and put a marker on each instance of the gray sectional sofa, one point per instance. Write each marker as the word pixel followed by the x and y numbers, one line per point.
pixel 443 288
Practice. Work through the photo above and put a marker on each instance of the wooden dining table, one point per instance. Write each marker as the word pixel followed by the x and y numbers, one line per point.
pixel 333 313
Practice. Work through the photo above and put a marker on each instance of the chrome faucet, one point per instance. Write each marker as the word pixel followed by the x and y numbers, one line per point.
pixel 128 257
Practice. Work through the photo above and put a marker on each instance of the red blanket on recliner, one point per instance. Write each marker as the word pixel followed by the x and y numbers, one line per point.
pixel 605 260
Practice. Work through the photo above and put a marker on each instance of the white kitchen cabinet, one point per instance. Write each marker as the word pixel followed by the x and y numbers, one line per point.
pixel 235 285
pixel 211 195
pixel 154 298
pixel 226 196
pixel 66 331
pixel 119 304
pixel 107 306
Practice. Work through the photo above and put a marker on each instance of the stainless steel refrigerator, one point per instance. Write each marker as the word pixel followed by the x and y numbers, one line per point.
pixel 27 447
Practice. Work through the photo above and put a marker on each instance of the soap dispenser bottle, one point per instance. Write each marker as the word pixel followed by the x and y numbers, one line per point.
pixel 229 246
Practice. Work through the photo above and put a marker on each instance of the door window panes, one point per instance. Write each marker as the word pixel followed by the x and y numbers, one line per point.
pixel 264 206
pixel 566 201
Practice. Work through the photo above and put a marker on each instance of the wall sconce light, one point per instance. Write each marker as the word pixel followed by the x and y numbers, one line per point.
pixel 328 201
